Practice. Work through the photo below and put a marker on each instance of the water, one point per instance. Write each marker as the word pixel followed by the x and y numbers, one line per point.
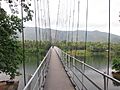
pixel 99 62
pixel 31 65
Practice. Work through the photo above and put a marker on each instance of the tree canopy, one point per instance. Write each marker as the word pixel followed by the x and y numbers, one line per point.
pixel 15 4
pixel 10 25
pixel 10 52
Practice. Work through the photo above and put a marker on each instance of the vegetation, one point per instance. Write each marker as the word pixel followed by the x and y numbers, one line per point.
pixel 78 53
pixel 10 48
pixel 116 64
pixel 30 48
pixel 10 52
pixel 93 48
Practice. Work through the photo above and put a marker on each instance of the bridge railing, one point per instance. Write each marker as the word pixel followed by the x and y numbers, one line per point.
pixel 84 76
pixel 37 80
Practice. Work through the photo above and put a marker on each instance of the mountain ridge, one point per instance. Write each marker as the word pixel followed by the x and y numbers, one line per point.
pixel 92 36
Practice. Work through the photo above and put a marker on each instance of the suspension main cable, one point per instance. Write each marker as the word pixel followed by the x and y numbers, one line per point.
pixel 68 31
pixel 66 24
pixel 41 21
pixel 45 32
pixel 86 33
pixel 37 56
pixel 109 46
pixel 69 27
pixel 38 9
pixel 57 21
pixel 23 46
pixel 49 22
pixel 40 40
pixel 73 27
pixel 77 28
pixel 85 52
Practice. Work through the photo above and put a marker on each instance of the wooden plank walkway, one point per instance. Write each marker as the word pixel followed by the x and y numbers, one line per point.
pixel 57 78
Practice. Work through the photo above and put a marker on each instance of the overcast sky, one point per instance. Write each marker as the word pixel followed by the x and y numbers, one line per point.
pixel 97 16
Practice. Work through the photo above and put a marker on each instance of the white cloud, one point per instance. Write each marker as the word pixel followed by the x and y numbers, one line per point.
pixel 98 14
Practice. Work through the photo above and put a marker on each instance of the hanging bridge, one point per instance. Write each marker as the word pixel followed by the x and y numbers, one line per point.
pixel 60 71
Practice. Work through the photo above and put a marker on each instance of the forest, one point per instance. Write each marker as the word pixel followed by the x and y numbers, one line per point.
pixel 77 49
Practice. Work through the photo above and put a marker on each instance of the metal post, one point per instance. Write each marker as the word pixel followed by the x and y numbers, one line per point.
pixel 104 83
pixel 62 56
pixel 23 43
pixel 83 70
pixel 43 73
pixel 109 48
pixel 36 38
pixel 39 79
pixel 42 77
pixel 69 62
pixel 29 76
pixel 66 60
pixel 73 67
pixel 73 62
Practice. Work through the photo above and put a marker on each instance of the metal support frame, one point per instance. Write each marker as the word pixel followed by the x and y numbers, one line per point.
pixel 69 62
pixel 37 80
pixel 80 70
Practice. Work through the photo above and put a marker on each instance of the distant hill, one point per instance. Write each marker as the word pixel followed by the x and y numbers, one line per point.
pixel 92 36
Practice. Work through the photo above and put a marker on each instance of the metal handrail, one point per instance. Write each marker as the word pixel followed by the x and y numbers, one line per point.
pixel 105 76
pixel 37 71
pixel 100 72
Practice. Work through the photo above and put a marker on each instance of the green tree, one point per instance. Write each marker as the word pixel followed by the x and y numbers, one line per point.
pixel 116 64
pixel 10 52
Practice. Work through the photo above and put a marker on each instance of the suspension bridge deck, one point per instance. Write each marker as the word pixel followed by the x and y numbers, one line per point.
pixel 57 78
pixel 50 74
